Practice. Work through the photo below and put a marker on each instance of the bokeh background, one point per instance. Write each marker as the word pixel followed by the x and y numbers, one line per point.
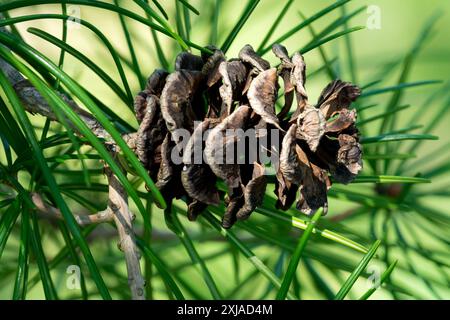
pixel 374 51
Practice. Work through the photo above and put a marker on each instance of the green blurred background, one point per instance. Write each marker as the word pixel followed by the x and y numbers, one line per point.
pixel 401 22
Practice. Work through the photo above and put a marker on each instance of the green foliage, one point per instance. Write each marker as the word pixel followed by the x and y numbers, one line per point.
pixel 385 219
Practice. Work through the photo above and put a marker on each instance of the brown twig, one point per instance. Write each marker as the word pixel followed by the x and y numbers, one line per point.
pixel 123 219
pixel 117 210
pixel 34 102
pixel 49 212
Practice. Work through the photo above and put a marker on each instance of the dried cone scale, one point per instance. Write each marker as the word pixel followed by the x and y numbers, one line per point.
pixel 192 118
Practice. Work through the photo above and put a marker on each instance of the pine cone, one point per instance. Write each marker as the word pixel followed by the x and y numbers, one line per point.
pixel 211 119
